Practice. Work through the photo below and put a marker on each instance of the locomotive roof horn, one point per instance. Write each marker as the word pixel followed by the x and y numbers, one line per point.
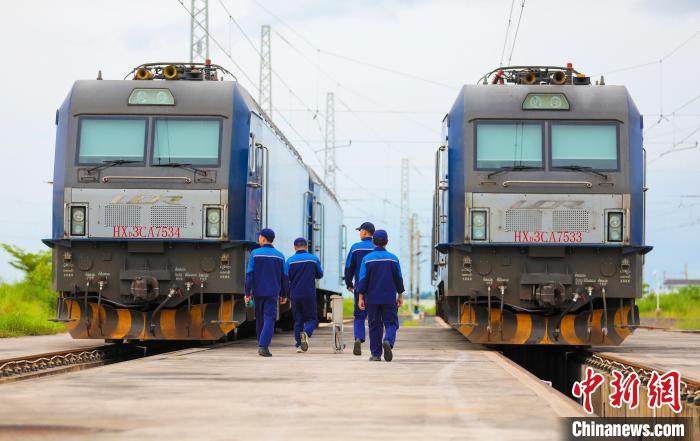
pixel 170 72
pixel 143 74
pixel 528 75
pixel 558 78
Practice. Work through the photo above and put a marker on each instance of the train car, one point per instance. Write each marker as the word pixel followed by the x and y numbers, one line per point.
pixel 160 187
pixel 539 207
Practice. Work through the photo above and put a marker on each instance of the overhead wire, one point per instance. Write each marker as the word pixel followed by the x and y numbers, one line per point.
pixel 649 63
pixel 673 113
pixel 219 45
pixel 341 85
pixel 505 40
pixel 675 145
pixel 279 77
pixel 517 28
pixel 350 59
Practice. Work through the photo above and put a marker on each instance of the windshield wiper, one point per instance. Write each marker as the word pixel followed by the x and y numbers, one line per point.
pixel 197 170
pixel 112 163
pixel 506 168
pixel 583 168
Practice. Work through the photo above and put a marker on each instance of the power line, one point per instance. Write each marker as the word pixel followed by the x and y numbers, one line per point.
pixel 673 113
pixel 365 189
pixel 674 148
pixel 386 69
pixel 649 63
pixel 340 85
pixel 505 40
pixel 517 28
pixel 374 111
pixel 274 72
pixel 221 48
pixel 350 59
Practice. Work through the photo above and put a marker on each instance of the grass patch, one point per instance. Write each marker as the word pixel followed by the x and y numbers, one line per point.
pixel 25 310
pixel 682 305
pixel 410 323
pixel 26 306
pixel 348 307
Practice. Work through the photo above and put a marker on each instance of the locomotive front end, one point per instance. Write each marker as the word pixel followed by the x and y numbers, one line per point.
pixel 146 233
pixel 539 225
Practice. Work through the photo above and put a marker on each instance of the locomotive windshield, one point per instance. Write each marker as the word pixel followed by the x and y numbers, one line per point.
pixel 508 144
pixel 111 139
pixel 186 141
pixel 584 145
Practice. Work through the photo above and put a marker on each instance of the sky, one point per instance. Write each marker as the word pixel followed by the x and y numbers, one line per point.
pixel 395 68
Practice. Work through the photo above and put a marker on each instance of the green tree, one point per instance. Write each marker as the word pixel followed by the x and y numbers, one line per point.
pixel 36 266
pixel 26 261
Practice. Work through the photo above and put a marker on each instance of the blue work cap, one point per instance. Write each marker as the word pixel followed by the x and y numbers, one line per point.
pixel 268 234
pixel 369 226
pixel 380 237
pixel 300 242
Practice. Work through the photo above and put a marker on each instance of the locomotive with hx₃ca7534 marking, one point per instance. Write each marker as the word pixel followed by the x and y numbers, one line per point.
pixel 160 187
pixel 538 224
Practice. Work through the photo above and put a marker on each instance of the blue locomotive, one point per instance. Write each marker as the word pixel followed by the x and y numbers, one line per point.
pixel 539 207
pixel 161 183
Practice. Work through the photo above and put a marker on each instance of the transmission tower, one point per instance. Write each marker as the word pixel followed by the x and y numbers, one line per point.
pixel 265 95
pixel 329 151
pixel 199 31
pixel 405 209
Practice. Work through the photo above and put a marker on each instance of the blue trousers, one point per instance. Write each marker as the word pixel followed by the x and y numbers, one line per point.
pixel 265 318
pixel 383 323
pixel 359 323
pixel 305 316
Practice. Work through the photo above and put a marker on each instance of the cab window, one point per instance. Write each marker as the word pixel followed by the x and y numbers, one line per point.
pixel 186 141
pixel 111 139
pixel 584 145
pixel 508 144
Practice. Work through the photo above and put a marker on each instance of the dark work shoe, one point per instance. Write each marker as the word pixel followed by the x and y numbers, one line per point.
pixel 357 349
pixel 264 352
pixel 388 355
pixel 304 341
pixel 373 358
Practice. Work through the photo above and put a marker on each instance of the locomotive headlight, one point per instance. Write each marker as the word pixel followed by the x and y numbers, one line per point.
pixel 479 224
pixel 213 216
pixel 615 224
pixel 213 222
pixel 77 221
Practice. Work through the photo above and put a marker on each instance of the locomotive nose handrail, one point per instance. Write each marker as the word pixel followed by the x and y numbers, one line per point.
pixel 587 184
pixel 185 179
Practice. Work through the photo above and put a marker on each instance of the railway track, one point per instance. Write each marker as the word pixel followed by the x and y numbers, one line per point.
pixel 71 360
pixel 52 363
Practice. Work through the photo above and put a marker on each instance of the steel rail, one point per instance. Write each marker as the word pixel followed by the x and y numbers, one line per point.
pixel 31 366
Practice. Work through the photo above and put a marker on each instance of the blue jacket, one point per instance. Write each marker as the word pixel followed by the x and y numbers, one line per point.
pixel 380 277
pixel 304 269
pixel 352 262
pixel 266 274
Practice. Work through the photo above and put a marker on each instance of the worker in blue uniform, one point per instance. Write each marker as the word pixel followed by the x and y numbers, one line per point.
pixel 304 269
pixel 352 271
pixel 380 288
pixel 266 280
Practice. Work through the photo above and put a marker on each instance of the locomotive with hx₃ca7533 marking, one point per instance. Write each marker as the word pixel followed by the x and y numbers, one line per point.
pixel 160 187
pixel 538 224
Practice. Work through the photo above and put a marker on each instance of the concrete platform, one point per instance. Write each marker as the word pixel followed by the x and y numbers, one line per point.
pixel 439 386
pixel 665 350
pixel 41 344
